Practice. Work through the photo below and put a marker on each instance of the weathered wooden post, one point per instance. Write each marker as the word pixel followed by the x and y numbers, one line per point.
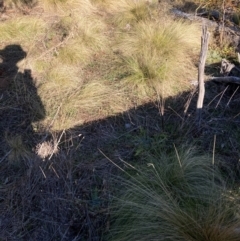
pixel 201 67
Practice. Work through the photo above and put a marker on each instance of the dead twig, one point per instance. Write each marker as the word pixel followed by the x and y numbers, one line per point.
pixel 221 96
pixel 232 96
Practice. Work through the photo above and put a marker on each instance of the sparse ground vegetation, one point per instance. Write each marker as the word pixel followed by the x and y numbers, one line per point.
pixel 97 124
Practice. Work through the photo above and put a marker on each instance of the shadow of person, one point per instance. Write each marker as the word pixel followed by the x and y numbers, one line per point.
pixel 20 104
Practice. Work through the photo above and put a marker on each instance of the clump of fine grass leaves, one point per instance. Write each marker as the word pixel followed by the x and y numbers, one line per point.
pixel 20 3
pixel 177 196
pixel 18 149
pixel 68 6
pixel 88 40
pixel 24 30
pixel 131 12
pixel 160 55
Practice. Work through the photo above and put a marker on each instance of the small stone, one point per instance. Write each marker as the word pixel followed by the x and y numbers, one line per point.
pixel 127 125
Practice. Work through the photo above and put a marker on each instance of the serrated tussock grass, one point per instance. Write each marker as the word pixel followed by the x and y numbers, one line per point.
pixel 173 196
pixel 63 78
pixel 73 102
pixel 101 4
pixel 65 7
pixel 160 55
pixel 18 150
pixel 59 82
pixel 24 30
pixel 88 38
pixel 90 102
pixel 20 3
pixel 131 12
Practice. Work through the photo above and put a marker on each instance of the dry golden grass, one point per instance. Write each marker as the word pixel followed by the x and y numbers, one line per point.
pixel 91 101
pixel 23 30
pixel 60 70
pixel 131 12
pixel 20 3
pixel 160 55
pixel 88 38
pixel 99 95
pixel 59 82
pixel 57 63
pixel 64 7
pixel 102 4
pixel 153 51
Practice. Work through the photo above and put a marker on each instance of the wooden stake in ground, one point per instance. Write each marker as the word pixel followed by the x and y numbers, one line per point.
pixel 202 61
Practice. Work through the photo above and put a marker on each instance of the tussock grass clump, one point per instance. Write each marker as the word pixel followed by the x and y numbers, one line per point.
pixel 90 102
pixel 131 12
pixel 94 94
pixel 160 55
pixel 60 81
pixel 24 30
pixel 83 7
pixel 20 3
pixel 87 41
pixel 63 78
pixel 73 101
pixel 18 150
pixel 173 198
pixel 102 4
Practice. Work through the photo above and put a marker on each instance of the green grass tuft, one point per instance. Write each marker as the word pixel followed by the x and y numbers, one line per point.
pixel 18 150
pixel 173 197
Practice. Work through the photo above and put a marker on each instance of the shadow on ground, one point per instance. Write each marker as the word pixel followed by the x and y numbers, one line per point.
pixel 20 104
pixel 63 194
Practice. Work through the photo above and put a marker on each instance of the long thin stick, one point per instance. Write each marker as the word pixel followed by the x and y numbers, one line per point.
pixel 221 96
pixel 232 96
pixel 203 57
pixel 214 146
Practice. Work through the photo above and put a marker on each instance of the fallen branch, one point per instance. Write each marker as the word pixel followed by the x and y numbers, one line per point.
pixel 226 79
